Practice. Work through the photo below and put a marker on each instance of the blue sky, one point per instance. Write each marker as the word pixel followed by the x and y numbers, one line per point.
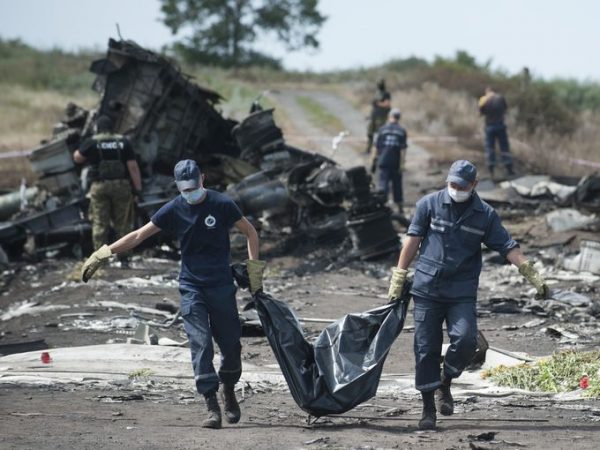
pixel 552 37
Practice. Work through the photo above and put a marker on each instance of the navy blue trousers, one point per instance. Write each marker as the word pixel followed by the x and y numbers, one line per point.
pixel 497 133
pixel 461 323
pixel 394 177
pixel 211 312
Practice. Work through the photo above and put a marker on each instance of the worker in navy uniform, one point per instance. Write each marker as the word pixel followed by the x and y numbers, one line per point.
pixel 201 219
pixel 447 231
pixel 389 156
pixel 492 106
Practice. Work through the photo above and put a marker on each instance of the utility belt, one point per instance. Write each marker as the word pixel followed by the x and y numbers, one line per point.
pixel 95 175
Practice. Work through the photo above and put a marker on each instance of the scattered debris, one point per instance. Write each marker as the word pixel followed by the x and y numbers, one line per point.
pixel 561 333
pixel 140 373
pixel 587 260
pixel 319 440
pixel 119 398
pixel 487 436
pixel 29 308
pixel 569 219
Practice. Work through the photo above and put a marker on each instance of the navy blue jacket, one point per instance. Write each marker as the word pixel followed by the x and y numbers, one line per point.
pixel 449 261
pixel 391 139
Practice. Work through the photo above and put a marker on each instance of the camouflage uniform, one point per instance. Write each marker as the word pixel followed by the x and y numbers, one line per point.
pixel 379 115
pixel 111 201
pixel 111 198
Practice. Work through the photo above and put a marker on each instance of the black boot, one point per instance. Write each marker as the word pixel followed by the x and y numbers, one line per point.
pixel 491 171
pixel 445 402
pixel 214 411
pixel 428 419
pixel 230 404
pixel 509 170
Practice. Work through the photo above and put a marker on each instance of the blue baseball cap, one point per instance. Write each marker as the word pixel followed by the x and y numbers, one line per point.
pixel 187 174
pixel 462 172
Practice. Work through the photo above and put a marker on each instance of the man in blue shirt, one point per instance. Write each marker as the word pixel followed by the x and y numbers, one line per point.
pixel 389 157
pixel 447 230
pixel 201 219
pixel 493 107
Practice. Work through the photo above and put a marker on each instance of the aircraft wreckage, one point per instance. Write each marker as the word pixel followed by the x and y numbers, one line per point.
pixel 167 118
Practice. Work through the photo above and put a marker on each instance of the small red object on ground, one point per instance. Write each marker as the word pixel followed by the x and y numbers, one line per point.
pixel 584 382
pixel 46 358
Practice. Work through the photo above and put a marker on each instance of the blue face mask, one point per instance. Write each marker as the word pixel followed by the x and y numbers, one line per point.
pixel 193 197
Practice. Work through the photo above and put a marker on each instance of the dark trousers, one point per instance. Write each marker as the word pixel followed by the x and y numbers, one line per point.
pixel 394 177
pixel 493 133
pixel 461 322
pixel 211 312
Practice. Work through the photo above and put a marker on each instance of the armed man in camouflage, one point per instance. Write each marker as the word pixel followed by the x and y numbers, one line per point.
pixel 116 181
pixel 380 109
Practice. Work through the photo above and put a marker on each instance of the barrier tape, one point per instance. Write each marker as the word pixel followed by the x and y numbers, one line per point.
pixel 416 139
pixel 15 154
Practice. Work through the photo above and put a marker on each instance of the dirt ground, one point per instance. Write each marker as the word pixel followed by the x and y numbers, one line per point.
pixel 318 281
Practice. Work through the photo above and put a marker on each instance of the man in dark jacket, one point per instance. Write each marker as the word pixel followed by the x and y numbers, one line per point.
pixel 201 219
pixel 493 107
pixel 447 231
pixel 388 157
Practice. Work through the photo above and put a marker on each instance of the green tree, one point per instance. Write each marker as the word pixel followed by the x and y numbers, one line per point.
pixel 223 31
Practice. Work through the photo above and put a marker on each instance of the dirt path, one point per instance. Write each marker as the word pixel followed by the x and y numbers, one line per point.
pixel 304 133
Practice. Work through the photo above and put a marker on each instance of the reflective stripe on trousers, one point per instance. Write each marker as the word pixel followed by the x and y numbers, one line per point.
pixel 461 322
pixel 211 312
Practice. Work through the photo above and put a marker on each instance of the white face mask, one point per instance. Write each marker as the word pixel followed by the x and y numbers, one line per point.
pixel 459 196
pixel 193 197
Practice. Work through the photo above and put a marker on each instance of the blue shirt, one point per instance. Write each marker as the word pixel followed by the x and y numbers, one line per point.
pixel 203 233
pixel 391 139
pixel 449 262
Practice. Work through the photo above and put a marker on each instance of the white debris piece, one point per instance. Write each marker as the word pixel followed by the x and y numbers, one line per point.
pixel 569 219
pixel 154 280
pixel 539 185
pixel 106 325
pixel 588 260
pixel 29 308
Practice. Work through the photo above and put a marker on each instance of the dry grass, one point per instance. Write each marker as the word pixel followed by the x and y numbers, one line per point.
pixel 433 111
pixel 27 117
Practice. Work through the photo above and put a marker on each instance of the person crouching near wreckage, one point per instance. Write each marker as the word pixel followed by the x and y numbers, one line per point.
pixel 447 230
pixel 201 219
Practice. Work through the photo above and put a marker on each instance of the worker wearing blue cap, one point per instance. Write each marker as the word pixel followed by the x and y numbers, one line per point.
pixel 201 219
pixel 447 230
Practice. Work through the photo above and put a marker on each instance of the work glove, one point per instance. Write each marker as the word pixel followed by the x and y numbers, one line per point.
pixel 533 276
pixel 483 99
pixel 255 274
pixel 397 283
pixel 94 262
